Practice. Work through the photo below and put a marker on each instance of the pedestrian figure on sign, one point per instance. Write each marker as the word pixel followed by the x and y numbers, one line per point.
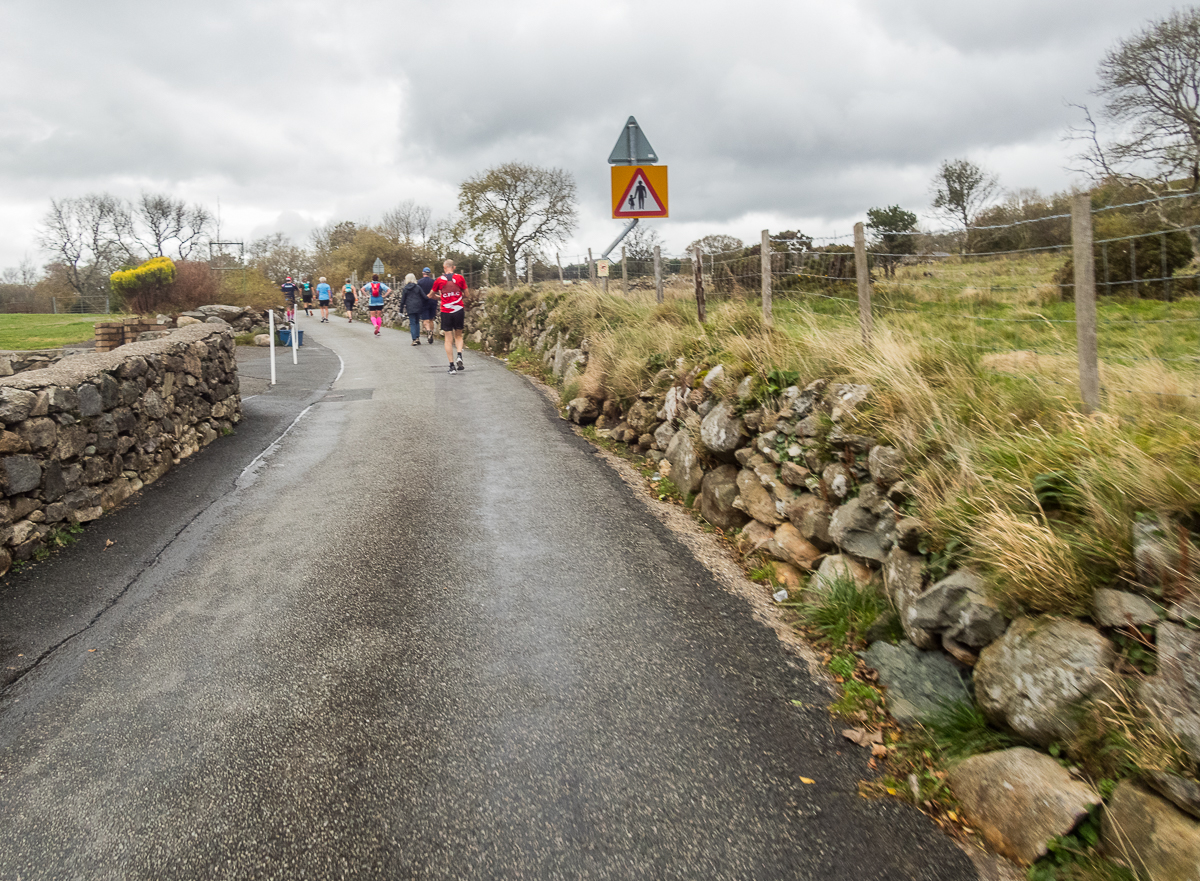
pixel 631 203
pixel 640 192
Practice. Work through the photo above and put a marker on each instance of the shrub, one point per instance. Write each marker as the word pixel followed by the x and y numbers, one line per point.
pixel 144 288
pixel 195 285
pixel 1117 261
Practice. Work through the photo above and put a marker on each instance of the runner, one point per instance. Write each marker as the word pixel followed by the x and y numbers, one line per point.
pixel 323 292
pixel 289 297
pixel 348 299
pixel 376 290
pixel 306 292
pixel 429 313
pixel 452 288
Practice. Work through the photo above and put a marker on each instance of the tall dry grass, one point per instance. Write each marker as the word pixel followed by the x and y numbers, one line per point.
pixel 1003 461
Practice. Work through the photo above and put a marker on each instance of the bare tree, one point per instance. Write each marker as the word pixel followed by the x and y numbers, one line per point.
pixel 156 220
pixel 640 243
pixel 1151 87
pixel 515 209
pixel 84 236
pixel 406 222
pixel 24 274
pixel 961 189
pixel 276 257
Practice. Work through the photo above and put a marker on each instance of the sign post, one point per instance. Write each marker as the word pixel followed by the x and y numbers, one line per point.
pixel 639 187
pixel 378 267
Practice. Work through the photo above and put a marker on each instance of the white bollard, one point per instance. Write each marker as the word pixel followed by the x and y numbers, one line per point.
pixel 295 338
pixel 271 332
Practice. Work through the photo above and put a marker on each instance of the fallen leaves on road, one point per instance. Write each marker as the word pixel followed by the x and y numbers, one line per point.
pixel 807 780
pixel 863 737
pixel 108 543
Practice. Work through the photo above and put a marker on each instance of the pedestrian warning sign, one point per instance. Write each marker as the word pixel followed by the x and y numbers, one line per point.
pixel 639 191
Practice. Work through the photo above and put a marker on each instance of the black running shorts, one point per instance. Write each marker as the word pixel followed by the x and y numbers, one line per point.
pixel 454 320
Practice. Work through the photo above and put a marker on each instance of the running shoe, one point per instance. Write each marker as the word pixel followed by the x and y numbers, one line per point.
pixel 431 339
pixel 452 371
pixel 460 366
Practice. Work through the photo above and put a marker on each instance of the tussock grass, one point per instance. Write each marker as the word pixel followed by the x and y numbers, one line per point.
pixel 987 412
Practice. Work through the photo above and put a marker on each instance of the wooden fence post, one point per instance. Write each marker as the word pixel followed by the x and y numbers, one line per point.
pixel 698 272
pixel 558 260
pixel 768 315
pixel 528 269
pixel 591 268
pixel 1085 301
pixel 658 282
pixel 863 273
pixel 624 271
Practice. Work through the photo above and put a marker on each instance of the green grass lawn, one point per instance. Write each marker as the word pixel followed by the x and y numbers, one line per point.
pixel 25 332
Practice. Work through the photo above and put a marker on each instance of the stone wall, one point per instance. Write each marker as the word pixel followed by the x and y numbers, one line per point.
pixel 82 436
pixel 807 492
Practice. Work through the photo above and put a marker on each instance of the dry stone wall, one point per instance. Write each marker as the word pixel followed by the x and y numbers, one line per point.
pixel 82 436
pixel 805 490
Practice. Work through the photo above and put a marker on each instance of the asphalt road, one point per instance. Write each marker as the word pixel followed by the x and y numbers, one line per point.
pixel 426 634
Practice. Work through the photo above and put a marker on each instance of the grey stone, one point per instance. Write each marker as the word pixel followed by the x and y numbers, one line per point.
pixel 918 683
pixel 886 465
pixel 1179 791
pixel 90 402
pixel 793 474
pixel 54 487
pixel 811 515
pixel 40 433
pixel 722 432
pixel 72 440
pixel 836 566
pixel 1149 834
pixel 838 480
pixel 59 400
pixel 754 537
pixel 960 606
pixel 19 474
pixel 15 405
pixel 754 500
pixel 1116 608
pixel 642 416
pixel 1157 554
pixel 663 435
pixel 582 410
pixel 1173 693
pixel 1020 799
pixel 564 359
pixel 1036 678
pixel 718 491
pixel 844 398
pixel 853 529
pixel 904 579
pixel 686 472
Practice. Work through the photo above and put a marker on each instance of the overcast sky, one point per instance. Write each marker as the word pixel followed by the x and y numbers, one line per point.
pixel 795 114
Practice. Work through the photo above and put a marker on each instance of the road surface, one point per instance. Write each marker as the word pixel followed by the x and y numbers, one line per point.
pixel 425 634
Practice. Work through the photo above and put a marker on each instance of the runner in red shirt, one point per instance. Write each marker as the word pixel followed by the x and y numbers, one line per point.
pixel 452 289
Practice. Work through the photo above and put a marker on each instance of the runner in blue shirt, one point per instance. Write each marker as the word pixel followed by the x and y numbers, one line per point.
pixel 323 292
pixel 376 291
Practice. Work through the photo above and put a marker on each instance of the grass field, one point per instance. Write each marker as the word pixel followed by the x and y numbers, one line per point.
pixel 24 332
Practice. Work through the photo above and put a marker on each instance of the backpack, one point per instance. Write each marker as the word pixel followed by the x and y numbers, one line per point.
pixel 451 286
pixel 374 289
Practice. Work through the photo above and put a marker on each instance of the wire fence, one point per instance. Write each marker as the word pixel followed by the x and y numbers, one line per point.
pixel 1125 320
pixel 29 303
